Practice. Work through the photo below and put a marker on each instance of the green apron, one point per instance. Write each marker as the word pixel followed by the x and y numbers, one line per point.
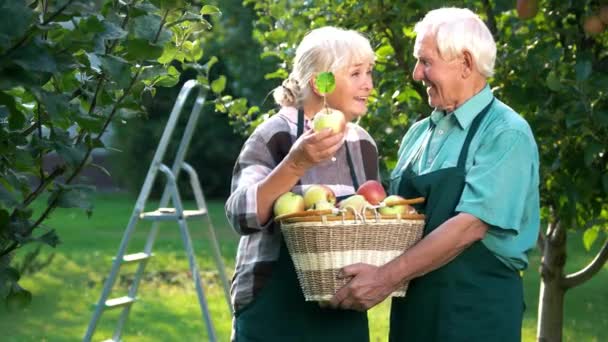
pixel 474 297
pixel 280 312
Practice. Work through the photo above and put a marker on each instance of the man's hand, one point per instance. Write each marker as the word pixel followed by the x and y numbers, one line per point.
pixel 369 286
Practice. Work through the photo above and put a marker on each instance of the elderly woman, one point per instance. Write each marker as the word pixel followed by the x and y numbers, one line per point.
pixel 476 162
pixel 282 155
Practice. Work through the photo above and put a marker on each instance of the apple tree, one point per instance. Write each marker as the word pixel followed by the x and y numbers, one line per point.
pixel 68 70
pixel 552 67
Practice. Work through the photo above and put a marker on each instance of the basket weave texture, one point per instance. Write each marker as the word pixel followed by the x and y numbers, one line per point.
pixel 320 247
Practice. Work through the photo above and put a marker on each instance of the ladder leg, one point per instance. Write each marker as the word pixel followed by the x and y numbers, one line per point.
pixel 109 283
pixel 217 254
pixel 191 258
pixel 136 280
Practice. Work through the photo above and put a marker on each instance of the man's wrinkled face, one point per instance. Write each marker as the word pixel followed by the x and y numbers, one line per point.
pixel 441 78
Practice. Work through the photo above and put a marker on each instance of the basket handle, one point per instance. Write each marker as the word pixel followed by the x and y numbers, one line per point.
pixel 416 200
pixel 308 213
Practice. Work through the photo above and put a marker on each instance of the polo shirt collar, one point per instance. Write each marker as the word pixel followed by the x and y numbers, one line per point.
pixel 467 111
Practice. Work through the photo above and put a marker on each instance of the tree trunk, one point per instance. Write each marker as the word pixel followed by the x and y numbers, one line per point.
pixel 551 301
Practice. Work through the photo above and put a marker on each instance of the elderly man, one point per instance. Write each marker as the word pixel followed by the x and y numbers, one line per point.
pixel 476 163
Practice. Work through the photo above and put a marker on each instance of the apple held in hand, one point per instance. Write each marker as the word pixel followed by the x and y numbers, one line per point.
pixel 288 203
pixel 356 202
pixel 372 191
pixel 390 209
pixel 329 118
pixel 318 193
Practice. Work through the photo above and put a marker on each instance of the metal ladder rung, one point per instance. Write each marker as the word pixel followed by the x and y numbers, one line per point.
pixel 135 257
pixel 168 214
pixel 120 301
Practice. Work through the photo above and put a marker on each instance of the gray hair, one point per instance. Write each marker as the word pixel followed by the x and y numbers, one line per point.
pixel 457 30
pixel 323 49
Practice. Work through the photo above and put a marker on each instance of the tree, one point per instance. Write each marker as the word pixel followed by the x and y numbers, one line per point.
pixel 548 68
pixel 68 69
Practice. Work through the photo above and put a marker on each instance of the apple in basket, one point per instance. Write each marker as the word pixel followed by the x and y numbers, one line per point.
pixel 356 202
pixel 288 203
pixel 316 195
pixel 373 192
pixel 391 209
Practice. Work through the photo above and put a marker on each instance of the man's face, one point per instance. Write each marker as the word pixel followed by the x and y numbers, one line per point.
pixel 443 79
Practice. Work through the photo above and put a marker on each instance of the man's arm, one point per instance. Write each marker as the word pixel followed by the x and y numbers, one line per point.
pixel 371 285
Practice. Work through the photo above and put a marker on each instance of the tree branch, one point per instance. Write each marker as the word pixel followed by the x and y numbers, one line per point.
pixel 575 279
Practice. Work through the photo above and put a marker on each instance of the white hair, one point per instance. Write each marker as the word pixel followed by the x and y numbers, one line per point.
pixel 323 49
pixel 457 30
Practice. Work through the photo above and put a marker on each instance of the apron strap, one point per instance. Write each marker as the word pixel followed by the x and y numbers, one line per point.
pixel 349 159
pixel 472 130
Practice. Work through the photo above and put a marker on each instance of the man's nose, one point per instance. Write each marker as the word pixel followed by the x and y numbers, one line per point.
pixel 418 74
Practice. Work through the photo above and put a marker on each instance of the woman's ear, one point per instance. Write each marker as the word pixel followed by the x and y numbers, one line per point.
pixel 313 85
pixel 467 64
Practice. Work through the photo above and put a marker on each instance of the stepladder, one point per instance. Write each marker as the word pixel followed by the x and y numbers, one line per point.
pixel 170 209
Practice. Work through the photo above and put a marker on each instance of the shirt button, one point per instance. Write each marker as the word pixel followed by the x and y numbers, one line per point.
pixel 440 132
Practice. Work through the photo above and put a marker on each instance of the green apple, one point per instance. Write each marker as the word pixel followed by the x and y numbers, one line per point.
pixel 394 209
pixel 323 205
pixel 288 203
pixel 329 118
pixel 356 202
pixel 318 193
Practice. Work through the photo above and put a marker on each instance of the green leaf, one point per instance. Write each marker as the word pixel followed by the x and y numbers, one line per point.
pixel 170 79
pixel 218 85
pixel 112 31
pixel 50 238
pixel 16 18
pixel 16 120
pixel 139 49
pixel 591 151
pixel 77 196
pixel 193 50
pixel 146 27
pixel 72 155
pixel 583 69
pixel 553 82
pixel 210 10
pixel 605 182
pixel 325 82
pixel 35 57
pixel 169 53
pixel 589 237
pixel 117 70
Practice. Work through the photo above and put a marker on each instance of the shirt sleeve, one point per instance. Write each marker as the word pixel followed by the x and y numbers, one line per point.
pixel 252 166
pixel 498 182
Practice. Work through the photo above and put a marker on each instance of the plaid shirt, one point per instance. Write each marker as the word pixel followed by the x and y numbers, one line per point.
pixel 266 147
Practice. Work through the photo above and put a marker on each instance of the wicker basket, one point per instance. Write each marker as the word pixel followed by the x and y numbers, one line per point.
pixel 321 243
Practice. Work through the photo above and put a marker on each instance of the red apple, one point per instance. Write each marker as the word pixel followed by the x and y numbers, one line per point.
pixel 527 9
pixel 318 193
pixel 372 191
pixel 593 25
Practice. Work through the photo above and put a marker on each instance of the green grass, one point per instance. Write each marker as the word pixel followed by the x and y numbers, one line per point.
pixel 168 309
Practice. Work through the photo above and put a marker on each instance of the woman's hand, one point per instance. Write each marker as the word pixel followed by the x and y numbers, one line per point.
pixel 313 148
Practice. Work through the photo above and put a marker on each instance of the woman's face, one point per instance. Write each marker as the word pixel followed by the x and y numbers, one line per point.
pixel 353 86
pixel 440 77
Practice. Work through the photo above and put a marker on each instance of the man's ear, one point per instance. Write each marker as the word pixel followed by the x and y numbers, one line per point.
pixel 313 85
pixel 467 64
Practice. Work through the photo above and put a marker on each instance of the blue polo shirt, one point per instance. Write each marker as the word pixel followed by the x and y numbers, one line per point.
pixel 502 177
